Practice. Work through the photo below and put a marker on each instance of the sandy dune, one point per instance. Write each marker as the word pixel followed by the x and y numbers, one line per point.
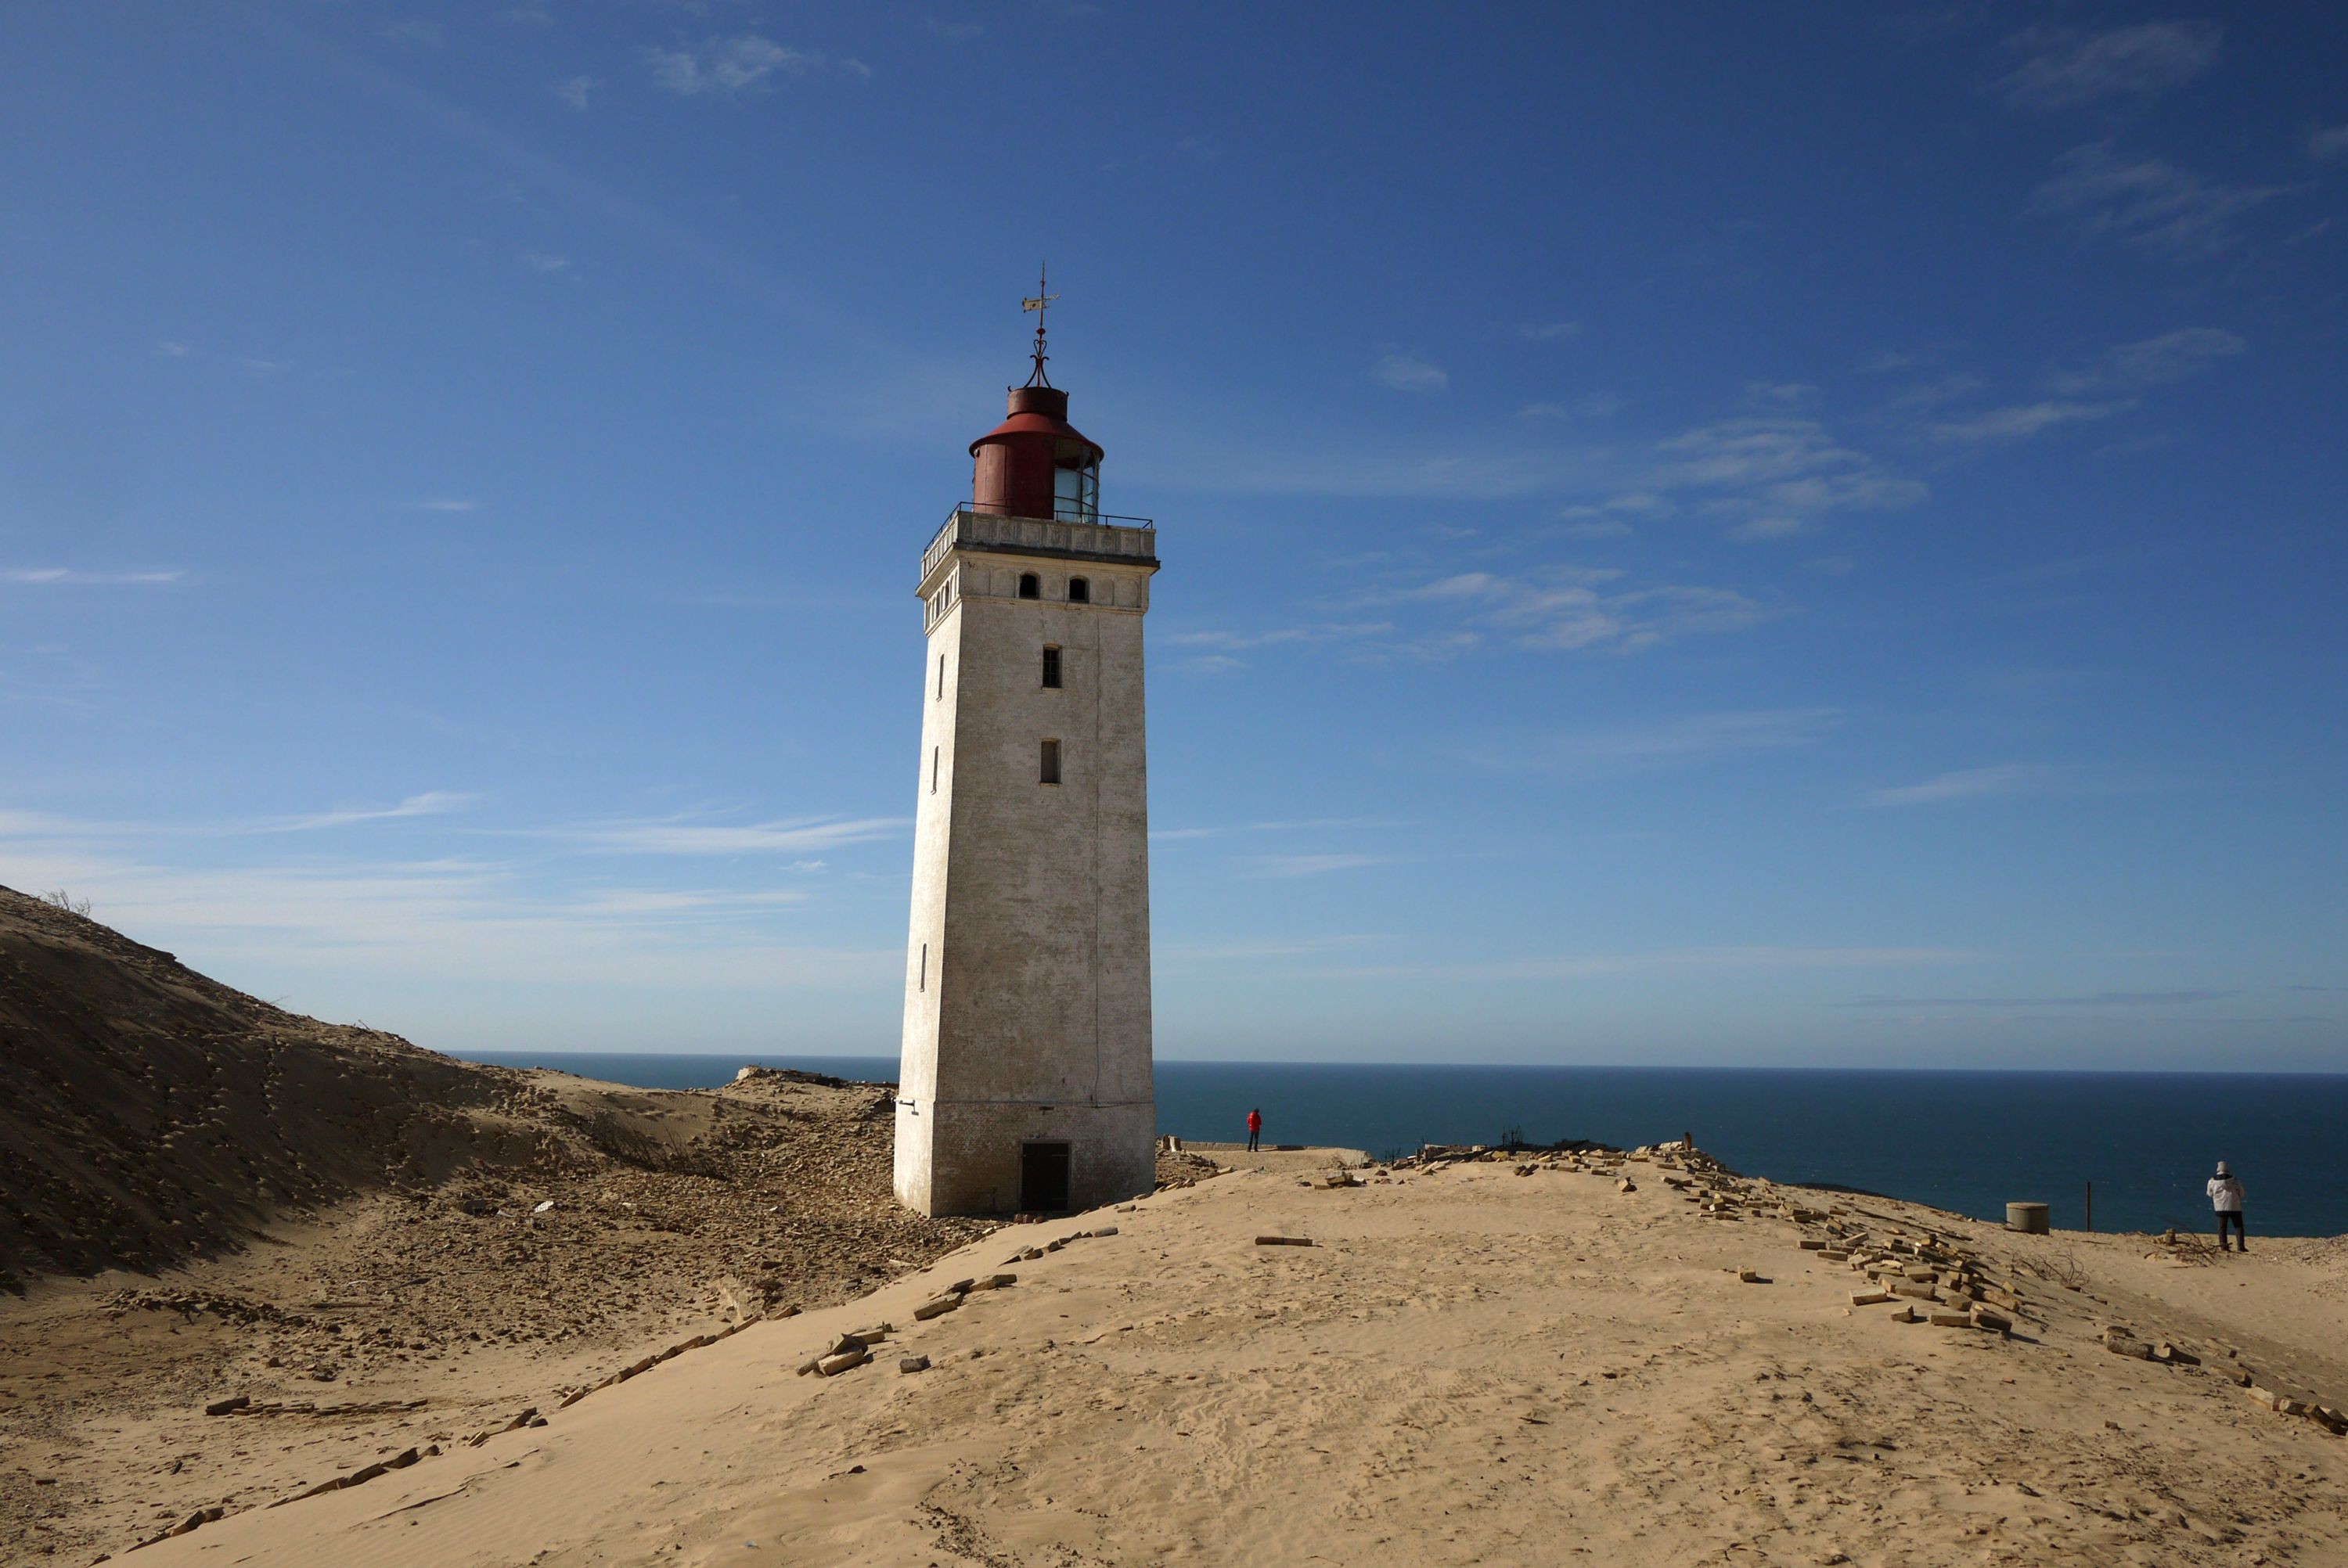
pixel 1470 1366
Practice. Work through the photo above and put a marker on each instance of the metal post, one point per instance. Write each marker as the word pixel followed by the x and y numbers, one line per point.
pixel 2091 1206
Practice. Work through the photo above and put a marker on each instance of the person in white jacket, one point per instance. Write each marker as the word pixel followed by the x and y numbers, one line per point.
pixel 2226 1197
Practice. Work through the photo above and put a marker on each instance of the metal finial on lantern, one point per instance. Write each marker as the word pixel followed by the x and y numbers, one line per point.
pixel 1039 303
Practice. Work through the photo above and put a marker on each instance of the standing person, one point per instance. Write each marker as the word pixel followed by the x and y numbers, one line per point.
pixel 1255 1129
pixel 2226 1197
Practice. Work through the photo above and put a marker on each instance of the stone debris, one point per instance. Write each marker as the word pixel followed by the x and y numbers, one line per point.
pixel 833 1366
pixel 223 1407
pixel 911 1364
pixel 937 1307
pixel 1283 1241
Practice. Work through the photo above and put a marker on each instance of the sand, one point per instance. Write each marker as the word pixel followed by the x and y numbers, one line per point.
pixel 520 1318
pixel 1470 1364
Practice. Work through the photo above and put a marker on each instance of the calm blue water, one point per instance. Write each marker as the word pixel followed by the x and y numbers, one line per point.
pixel 1962 1141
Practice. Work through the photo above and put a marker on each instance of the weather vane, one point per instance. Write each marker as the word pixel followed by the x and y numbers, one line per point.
pixel 1039 304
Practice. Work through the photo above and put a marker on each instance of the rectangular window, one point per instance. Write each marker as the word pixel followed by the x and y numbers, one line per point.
pixel 933 770
pixel 1052 668
pixel 942 674
pixel 1052 762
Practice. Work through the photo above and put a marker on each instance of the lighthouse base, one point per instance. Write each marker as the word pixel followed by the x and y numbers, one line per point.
pixel 998 1158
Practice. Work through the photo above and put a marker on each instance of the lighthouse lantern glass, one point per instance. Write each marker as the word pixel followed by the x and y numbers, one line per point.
pixel 1076 492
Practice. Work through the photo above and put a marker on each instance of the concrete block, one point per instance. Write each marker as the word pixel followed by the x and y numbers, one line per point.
pixel 833 1366
pixel 1869 1297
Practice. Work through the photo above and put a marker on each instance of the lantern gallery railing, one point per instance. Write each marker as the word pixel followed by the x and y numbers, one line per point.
pixel 1101 537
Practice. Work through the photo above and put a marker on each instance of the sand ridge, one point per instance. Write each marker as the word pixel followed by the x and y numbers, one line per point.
pixel 1469 1365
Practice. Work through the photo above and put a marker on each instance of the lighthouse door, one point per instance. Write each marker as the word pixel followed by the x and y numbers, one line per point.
pixel 1043 1178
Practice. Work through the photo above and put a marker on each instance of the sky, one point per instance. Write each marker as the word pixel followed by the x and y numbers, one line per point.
pixel 1692 534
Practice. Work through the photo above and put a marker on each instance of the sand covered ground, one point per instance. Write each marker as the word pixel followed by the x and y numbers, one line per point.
pixel 1470 1364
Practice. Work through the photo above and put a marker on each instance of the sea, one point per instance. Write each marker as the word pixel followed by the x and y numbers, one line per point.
pixel 2137 1147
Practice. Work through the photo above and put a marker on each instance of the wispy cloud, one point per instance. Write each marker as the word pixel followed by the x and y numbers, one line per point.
pixel 728 68
pixel 2061 67
pixel 2019 421
pixel 431 803
pixel 47 575
pixel 1775 475
pixel 2098 999
pixel 448 504
pixel 1407 372
pixel 2328 145
pixel 544 261
pixel 2146 200
pixel 1689 740
pixel 170 349
pixel 2153 361
pixel 1317 633
pixel 1571 608
pixel 682 836
pixel 1977 783
pixel 1546 331
pixel 457 918
pixel 1283 866
pixel 577 91
pixel 1583 966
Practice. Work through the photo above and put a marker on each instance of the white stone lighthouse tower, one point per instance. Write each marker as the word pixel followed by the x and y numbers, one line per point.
pixel 1025 1085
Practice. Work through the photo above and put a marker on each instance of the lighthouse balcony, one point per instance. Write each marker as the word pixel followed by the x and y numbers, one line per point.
pixel 1098 537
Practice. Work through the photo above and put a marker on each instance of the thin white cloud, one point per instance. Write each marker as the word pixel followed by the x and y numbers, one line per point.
pixel 1547 332
pixel 170 349
pixel 676 836
pixel 577 91
pixel 1285 867
pixel 2020 421
pixel 448 504
pixel 1569 608
pixel 427 919
pixel 1977 783
pixel 46 576
pixel 2146 200
pixel 1591 966
pixel 431 803
pixel 1407 372
pixel 2096 999
pixel 1775 475
pixel 525 16
pixel 2060 68
pixel 1316 632
pixel 2152 361
pixel 727 67
pixel 2328 145
pixel 544 261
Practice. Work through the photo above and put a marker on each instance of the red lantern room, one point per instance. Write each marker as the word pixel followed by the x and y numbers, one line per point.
pixel 1036 464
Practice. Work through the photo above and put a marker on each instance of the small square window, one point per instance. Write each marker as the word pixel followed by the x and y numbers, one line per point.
pixel 1079 591
pixel 1051 762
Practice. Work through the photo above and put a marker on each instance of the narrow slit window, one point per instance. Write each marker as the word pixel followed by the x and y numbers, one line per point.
pixel 924 984
pixel 933 768
pixel 942 674
pixel 1079 591
pixel 1030 587
pixel 1051 762
pixel 1052 668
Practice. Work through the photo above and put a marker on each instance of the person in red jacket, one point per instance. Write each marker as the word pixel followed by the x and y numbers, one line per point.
pixel 1255 1129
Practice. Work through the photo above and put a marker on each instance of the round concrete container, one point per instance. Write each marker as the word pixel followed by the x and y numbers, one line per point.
pixel 2029 1218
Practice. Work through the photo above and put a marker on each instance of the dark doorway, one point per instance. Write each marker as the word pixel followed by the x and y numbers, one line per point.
pixel 1043 1178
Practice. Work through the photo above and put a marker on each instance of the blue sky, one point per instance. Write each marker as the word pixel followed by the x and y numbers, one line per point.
pixel 1801 533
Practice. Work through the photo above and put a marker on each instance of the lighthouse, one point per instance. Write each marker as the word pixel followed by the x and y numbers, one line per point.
pixel 1026 1084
